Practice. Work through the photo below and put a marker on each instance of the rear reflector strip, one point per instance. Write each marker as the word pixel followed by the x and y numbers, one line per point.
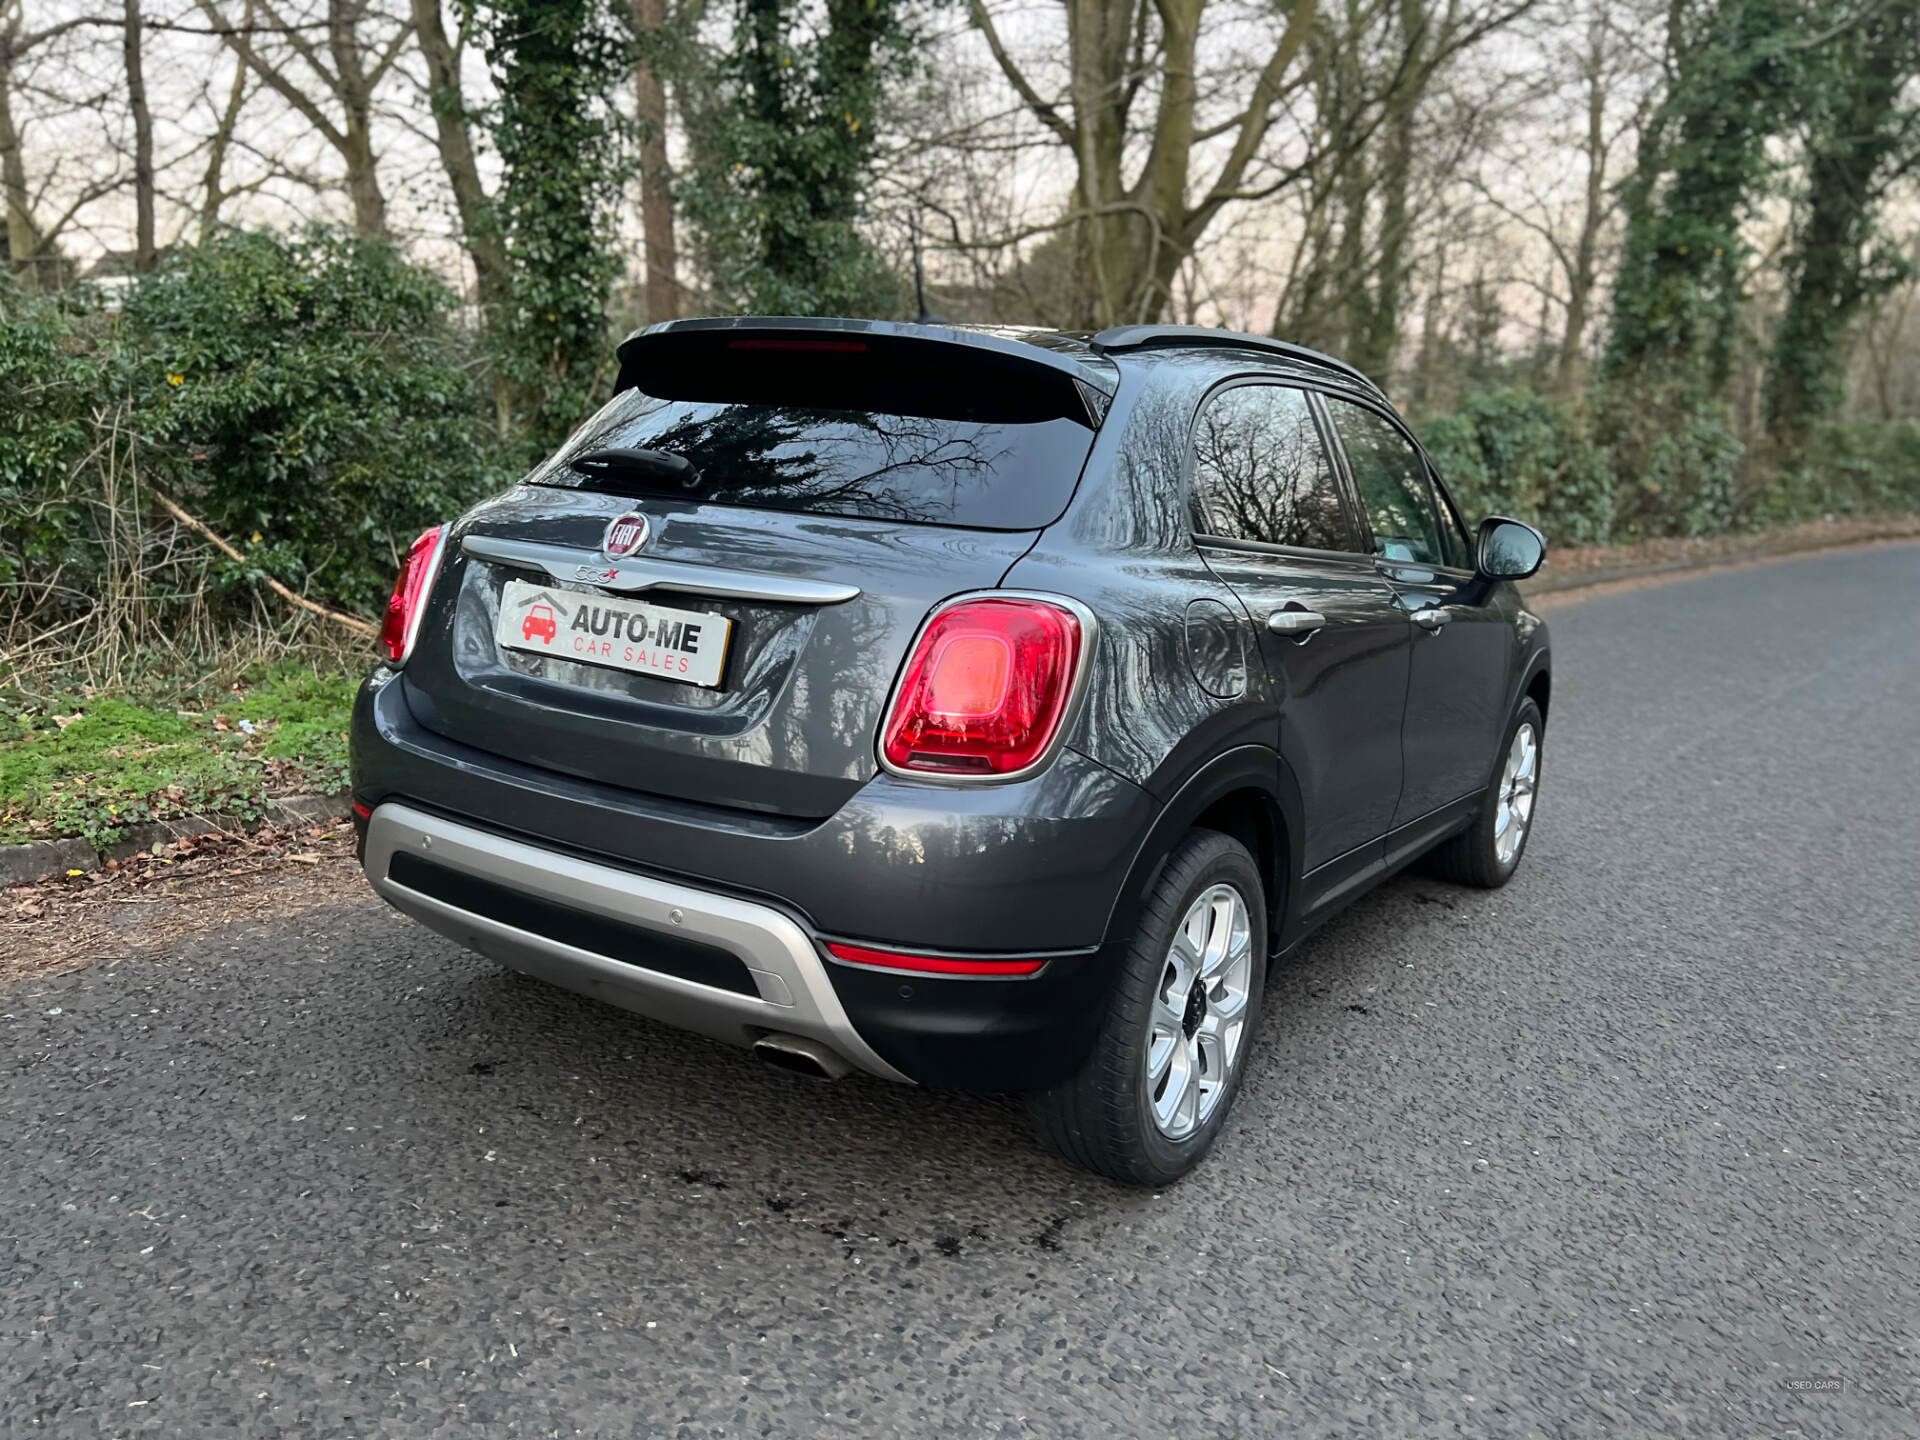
pixel 363 812
pixel 931 964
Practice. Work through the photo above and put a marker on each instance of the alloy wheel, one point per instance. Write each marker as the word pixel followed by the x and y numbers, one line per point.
pixel 1197 1032
pixel 1518 780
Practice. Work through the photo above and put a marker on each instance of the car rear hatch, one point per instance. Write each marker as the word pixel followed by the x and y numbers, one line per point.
pixel 807 492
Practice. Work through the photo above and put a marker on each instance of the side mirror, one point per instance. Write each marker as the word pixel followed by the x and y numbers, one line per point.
pixel 1508 549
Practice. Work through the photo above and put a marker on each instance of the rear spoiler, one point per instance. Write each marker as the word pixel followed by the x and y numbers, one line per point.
pixel 1037 363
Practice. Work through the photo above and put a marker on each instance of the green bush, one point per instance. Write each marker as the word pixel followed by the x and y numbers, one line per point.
pixel 1678 467
pixel 51 374
pixel 1629 466
pixel 307 398
pixel 1512 452
pixel 1851 467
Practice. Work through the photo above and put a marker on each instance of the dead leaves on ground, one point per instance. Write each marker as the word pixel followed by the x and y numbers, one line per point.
pixel 154 901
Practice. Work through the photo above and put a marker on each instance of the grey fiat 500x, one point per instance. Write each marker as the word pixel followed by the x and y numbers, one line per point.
pixel 972 707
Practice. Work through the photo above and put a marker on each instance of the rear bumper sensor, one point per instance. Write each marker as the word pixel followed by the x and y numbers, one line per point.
pixel 723 967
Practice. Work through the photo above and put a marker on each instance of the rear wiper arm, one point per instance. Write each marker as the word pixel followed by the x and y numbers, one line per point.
pixel 622 460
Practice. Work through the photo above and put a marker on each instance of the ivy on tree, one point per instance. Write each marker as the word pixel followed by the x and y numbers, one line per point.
pixel 779 171
pixel 1703 161
pixel 1862 131
pixel 565 157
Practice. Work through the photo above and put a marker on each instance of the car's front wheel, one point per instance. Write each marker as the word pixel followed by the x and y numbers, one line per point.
pixel 1162 1076
pixel 1487 853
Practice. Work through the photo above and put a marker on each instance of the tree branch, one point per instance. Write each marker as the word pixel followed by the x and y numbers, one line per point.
pixel 277 82
pixel 1049 115
pixel 1259 114
pixel 200 528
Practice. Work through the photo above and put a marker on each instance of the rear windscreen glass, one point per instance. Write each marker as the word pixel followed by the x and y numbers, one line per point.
pixel 814 433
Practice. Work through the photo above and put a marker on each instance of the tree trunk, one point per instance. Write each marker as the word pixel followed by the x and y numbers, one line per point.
pixel 1569 371
pixel 213 193
pixel 656 179
pixel 23 236
pixel 480 229
pixel 1828 269
pixel 1375 343
pixel 1353 192
pixel 142 113
pixel 1133 237
pixel 356 103
pixel 453 137
pixel 1098 34
pixel 1432 324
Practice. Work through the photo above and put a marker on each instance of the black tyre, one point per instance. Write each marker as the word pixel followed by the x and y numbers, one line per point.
pixel 1156 1089
pixel 1488 852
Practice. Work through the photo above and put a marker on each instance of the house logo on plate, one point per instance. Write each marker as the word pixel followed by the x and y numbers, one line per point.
pixel 542 617
pixel 627 534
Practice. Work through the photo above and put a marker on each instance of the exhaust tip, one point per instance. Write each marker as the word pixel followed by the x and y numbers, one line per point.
pixel 802 1056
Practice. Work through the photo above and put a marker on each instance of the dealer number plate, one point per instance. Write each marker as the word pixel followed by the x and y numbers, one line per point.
pixel 685 645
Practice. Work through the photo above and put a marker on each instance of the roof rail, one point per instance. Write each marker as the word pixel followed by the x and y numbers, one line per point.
pixel 1144 337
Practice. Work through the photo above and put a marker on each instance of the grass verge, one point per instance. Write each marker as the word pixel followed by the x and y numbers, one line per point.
pixel 75 762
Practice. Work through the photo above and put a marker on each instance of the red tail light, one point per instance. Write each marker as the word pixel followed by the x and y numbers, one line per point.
pixel 986 689
pixel 410 590
pixel 931 964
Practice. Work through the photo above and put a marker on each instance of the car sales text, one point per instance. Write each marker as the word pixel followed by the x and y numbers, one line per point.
pixel 596 633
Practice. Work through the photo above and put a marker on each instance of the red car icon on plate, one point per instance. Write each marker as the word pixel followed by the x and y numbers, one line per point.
pixel 539 621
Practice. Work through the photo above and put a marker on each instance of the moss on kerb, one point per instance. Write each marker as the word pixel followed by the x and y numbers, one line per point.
pixel 94 767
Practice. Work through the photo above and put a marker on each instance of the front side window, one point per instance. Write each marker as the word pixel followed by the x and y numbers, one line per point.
pixel 1453 537
pixel 1260 472
pixel 1391 478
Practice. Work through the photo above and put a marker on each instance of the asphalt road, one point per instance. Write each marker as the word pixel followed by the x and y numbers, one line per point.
pixel 1632 1146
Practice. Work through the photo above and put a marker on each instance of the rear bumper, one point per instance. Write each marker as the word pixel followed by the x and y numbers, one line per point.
pixel 785 988
pixel 1024 870
pixel 1033 866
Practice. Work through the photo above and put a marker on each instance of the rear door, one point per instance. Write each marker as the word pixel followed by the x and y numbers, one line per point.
pixel 742 651
pixel 1463 647
pixel 1270 520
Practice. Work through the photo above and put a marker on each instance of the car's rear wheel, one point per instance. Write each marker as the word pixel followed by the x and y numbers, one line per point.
pixel 1488 852
pixel 1164 1071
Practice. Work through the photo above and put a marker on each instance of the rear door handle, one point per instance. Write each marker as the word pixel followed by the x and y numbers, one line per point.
pixel 1295 622
pixel 1431 618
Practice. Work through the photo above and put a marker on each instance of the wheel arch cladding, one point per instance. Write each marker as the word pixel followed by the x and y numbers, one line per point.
pixel 1245 793
pixel 1539 688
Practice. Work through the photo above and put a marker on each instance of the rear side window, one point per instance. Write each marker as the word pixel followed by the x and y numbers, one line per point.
pixel 920 435
pixel 1260 472
pixel 1391 478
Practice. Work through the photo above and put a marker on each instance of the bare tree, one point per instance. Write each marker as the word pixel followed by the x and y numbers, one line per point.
pixel 32 233
pixel 331 87
pixel 1134 231
pixel 214 192
pixel 1389 138
pixel 656 177
pixel 1608 64
pixel 132 43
